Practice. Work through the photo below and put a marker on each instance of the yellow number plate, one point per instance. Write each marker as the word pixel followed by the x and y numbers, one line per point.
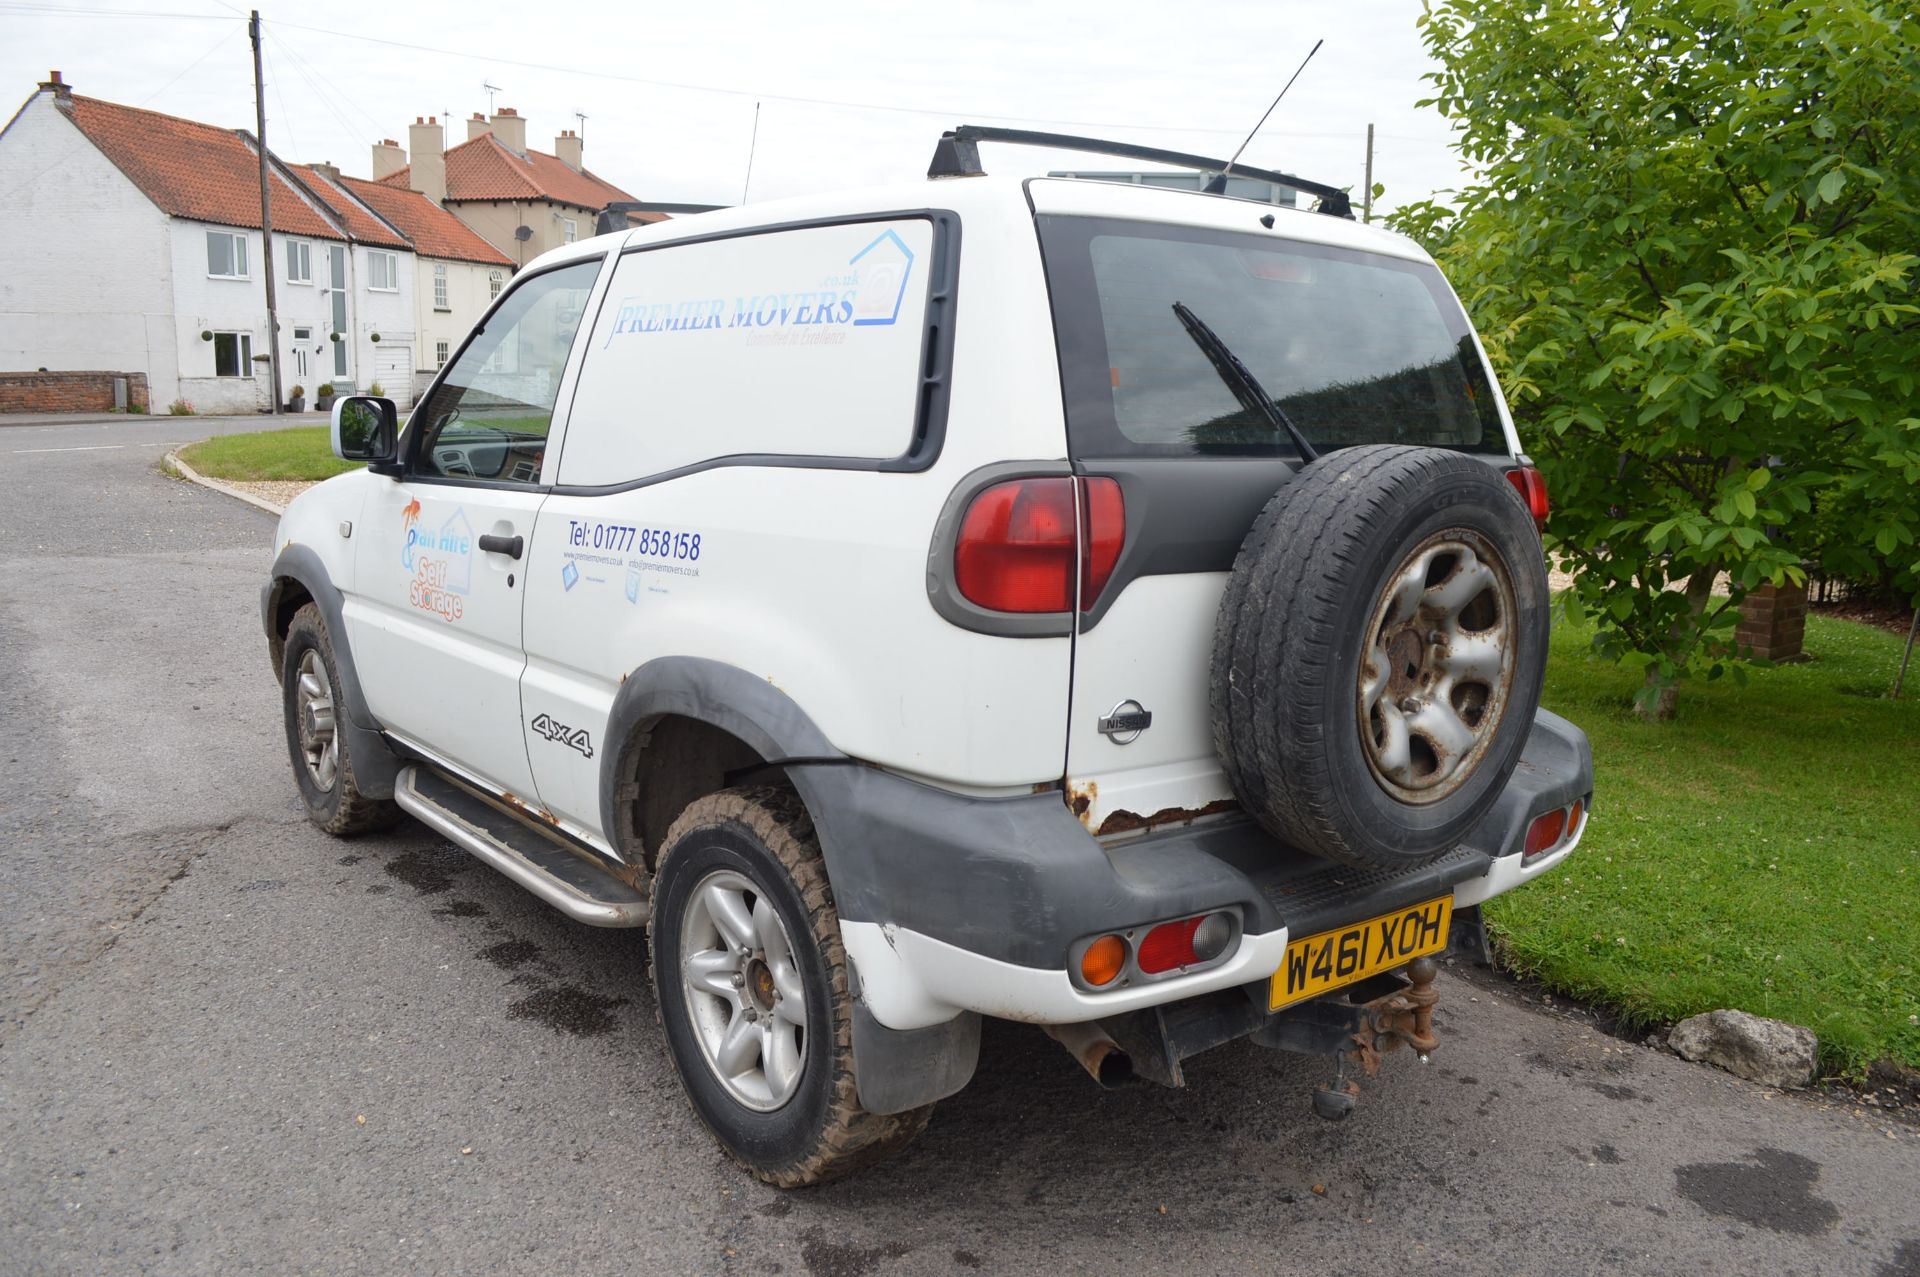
pixel 1345 955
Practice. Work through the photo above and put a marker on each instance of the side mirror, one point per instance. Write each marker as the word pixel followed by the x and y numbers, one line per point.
pixel 366 428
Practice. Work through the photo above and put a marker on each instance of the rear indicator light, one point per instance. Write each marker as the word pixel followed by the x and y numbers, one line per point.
pixel 1545 831
pixel 1573 820
pixel 1019 549
pixel 1186 943
pixel 1532 487
pixel 1103 960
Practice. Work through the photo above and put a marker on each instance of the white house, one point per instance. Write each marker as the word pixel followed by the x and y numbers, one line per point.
pixel 133 244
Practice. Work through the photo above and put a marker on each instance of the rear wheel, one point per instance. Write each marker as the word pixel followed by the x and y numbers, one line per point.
pixel 1379 653
pixel 751 983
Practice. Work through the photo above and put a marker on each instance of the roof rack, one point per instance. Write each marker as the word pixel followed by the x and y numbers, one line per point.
pixel 958 155
pixel 613 216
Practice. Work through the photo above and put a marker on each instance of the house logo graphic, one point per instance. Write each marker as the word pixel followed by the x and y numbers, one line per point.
pixel 884 267
pixel 456 546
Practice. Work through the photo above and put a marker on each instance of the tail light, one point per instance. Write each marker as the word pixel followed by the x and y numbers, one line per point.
pixel 1023 543
pixel 1544 833
pixel 1532 487
pixel 1189 942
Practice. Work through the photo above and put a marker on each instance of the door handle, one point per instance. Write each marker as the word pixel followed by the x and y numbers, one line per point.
pixel 509 546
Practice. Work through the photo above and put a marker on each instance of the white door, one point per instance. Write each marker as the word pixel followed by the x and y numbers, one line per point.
pixel 440 572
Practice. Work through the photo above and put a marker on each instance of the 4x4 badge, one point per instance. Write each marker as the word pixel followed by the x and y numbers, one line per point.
pixel 1125 721
pixel 560 733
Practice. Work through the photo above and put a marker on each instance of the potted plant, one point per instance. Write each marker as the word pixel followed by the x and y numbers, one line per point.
pixel 297 398
pixel 323 397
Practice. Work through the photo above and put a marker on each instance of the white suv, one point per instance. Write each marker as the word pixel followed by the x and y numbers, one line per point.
pixel 925 603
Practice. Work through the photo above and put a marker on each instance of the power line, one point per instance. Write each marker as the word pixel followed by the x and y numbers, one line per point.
pixel 85 142
pixel 323 91
pixel 51 10
pixel 286 115
pixel 752 93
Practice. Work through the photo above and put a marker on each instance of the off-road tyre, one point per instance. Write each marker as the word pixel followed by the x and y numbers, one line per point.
pixel 340 809
pixel 822 1133
pixel 1292 634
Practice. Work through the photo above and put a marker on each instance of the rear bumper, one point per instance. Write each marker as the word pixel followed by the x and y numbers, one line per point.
pixel 952 904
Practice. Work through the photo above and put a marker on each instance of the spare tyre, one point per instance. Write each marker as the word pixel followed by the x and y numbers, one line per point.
pixel 1378 654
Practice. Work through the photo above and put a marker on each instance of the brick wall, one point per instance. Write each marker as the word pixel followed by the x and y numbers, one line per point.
pixel 1773 622
pixel 69 391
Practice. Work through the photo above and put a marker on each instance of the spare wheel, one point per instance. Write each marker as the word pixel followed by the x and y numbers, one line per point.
pixel 1378 654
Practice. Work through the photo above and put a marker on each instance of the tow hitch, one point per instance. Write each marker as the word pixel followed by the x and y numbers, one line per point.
pixel 1373 1018
pixel 1356 1036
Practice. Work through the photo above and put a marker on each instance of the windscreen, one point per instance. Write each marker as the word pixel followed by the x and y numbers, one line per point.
pixel 1353 347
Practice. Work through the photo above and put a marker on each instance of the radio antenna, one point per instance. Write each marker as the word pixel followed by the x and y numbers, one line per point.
pixel 1218 186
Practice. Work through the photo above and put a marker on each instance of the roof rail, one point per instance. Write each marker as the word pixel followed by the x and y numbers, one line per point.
pixel 958 155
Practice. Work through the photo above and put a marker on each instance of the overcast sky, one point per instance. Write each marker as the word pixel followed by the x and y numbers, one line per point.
pixel 850 93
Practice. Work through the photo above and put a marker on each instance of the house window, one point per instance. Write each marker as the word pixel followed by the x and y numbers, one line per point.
pixel 440 286
pixel 569 229
pixel 439 353
pixel 299 262
pixel 494 280
pixel 383 272
pixel 226 255
pixel 233 354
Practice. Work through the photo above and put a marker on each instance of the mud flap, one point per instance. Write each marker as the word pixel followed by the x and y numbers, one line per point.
pixel 896 1070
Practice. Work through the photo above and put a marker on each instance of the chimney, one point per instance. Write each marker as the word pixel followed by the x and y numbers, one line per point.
pixel 387 158
pixel 567 147
pixel 511 129
pixel 61 90
pixel 478 126
pixel 328 170
pixel 428 143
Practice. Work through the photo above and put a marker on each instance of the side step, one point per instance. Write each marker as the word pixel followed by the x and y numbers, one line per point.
pixel 569 875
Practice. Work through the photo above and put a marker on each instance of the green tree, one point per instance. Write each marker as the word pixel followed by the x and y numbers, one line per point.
pixel 1688 251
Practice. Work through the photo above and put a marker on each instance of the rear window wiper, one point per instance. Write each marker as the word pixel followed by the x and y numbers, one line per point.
pixel 1241 381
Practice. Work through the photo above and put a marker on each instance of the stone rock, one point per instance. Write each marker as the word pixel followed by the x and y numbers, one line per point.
pixel 1769 1052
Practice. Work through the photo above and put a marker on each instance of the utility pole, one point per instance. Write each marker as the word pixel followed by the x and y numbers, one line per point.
pixel 266 220
pixel 1366 199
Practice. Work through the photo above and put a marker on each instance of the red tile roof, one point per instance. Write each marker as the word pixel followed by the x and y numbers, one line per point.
pixel 434 231
pixel 193 170
pixel 482 168
pixel 361 226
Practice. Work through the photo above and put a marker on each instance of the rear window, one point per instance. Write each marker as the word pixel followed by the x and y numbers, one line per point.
pixel 1355 347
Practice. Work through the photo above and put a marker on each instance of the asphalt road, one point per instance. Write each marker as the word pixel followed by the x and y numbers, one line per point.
pixel 232 1044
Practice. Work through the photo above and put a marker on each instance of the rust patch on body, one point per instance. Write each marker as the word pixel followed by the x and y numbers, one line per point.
pixel 1080 796
pixel 1121 822
pixel 528 810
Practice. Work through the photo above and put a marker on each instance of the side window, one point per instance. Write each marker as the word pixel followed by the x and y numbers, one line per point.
pixel 801 342
pixel 489 416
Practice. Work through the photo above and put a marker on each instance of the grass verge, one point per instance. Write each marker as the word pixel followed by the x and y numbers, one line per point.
pixel 1760 852
pixel 302 452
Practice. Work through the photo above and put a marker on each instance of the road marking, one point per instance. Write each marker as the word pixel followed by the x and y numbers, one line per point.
pixel 95 447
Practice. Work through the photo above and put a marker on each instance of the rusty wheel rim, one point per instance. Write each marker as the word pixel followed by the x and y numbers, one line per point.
pixel 1438 666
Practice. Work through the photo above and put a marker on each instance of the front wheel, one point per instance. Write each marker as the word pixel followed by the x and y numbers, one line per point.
pixel 322 760
pixel 751 983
